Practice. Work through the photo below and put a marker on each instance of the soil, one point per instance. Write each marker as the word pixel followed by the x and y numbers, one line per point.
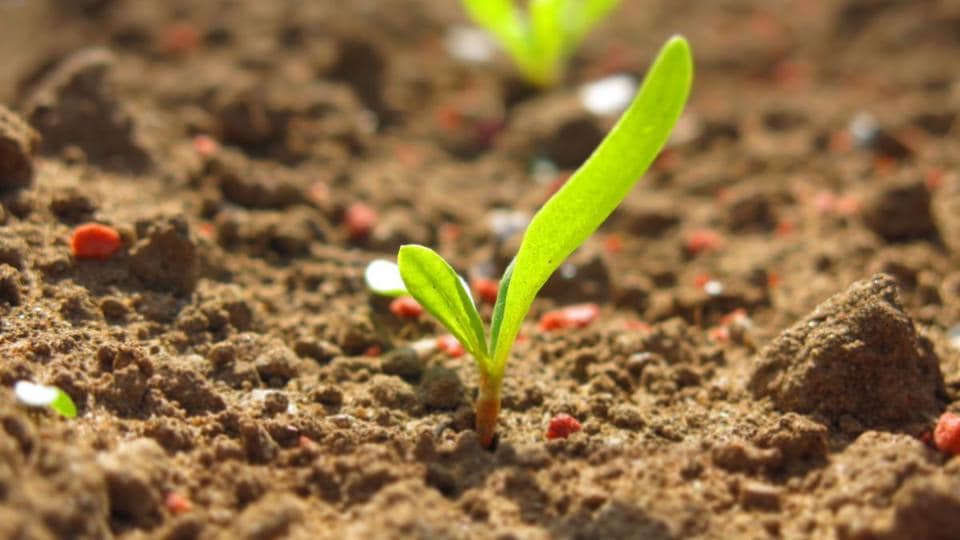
pixel 779 297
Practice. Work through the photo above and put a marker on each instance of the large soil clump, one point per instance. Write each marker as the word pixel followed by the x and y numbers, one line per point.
pixel 856 354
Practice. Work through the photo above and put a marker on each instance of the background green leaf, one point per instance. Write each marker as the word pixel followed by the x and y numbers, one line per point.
pixel 594 191
pixel 580 16
pixel 507 23
pixel 548 40
pixel 438 288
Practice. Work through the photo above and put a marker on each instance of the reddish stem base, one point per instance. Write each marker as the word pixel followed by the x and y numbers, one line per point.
pixel 488 410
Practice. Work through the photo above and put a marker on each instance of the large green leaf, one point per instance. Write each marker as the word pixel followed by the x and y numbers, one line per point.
pixel 593 192
pixel 438 288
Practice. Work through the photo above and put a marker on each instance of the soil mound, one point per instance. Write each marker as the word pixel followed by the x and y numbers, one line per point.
pixel 856 354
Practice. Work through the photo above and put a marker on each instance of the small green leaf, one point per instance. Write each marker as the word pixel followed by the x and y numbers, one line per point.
pixel 438 288
pixel 593 192
pixel 39 395
pixel 64 405
pixel 541 40
pixel 498 308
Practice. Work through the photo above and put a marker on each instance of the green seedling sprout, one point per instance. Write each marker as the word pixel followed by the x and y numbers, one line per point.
pixel 38 395
pixel 541 40
pixel 564 222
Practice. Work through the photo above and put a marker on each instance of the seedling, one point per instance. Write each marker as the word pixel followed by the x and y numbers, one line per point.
pixel 541 40
pixel 38 395
pixel 563 223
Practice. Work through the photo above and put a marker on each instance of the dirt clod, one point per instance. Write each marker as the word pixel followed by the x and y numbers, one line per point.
pixel 18 146
pixel 76 106
pixel 857 353
pixel 10 285
pixel 900 211
pixel 440 388
pixel 759 496
pixel 269 518
pixel 257 443
pixel 403 362
pixel 165 258
pixel 133 473
pixel 392 392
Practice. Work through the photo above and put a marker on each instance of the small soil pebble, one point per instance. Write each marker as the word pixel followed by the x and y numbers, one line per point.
pixel 392 392
pixel 253 185
pixel 858 353
pixel 626 416
pixel 900 211
pixel 10 285
pixel 18 146
pixel 796 437
pixel 403 362
pixel 750 210
pixel 165 258
pixel 133 472
pixel 759 496
pixel 257 444
pixel 441 388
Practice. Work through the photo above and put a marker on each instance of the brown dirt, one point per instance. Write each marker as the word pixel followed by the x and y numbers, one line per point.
pixel 229 354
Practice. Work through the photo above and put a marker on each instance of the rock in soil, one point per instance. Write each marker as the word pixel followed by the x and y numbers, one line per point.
pixel 856 354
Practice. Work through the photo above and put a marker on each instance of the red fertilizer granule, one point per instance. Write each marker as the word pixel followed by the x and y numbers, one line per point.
pixel 94 241
pixel 703 240
pixel 360 219
pixel 450 345
pixel 575 316
pixel 562 426
pixel 486 289
pixel 406 307
pixel 177 504
pixel 947 433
